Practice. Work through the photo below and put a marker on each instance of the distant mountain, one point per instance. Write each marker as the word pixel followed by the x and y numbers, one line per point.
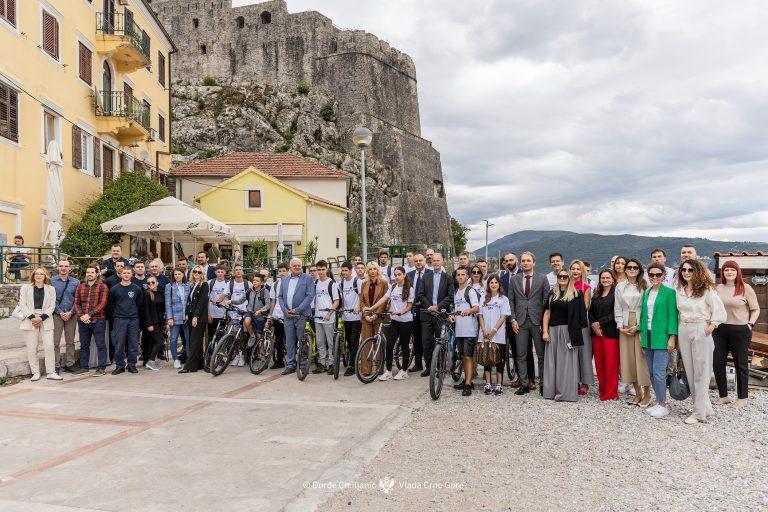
pixel 598 249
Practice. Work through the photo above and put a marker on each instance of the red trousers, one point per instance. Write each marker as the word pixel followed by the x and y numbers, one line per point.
pixel 606 352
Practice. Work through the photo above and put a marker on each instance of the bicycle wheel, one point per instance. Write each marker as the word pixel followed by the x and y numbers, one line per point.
pixel 437 371
pixel 260 355
pixel 370 360
pixel 338 346
pixel 511 373
pixel 303 354
pixel 222 354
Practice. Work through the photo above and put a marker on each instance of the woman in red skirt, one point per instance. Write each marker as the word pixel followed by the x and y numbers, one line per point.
pixel 605 336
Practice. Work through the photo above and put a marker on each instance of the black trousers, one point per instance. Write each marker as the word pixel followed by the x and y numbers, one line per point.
pixel 418 347
pixel 212 326
pixel 352 337
pixel 512 347
pixel 734 339
pixel 147 342
pixel 155 339
pixel 430 328
pixel 402 331
pixel 196 335
pixel 279 342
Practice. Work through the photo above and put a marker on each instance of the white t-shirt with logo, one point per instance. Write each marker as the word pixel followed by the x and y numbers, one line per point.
pixel 351 298
pixel 480 289
pixel 386 272
pixel 396 303
pixel 496 308
pixel 466 326
pixel 274 293
pixel 238 297
pixel 218 288
pixel 325 301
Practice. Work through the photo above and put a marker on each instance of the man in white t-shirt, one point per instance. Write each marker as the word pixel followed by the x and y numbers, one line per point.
pixel 360 271
pixel 467 301
pixel 276 316
pixel 660 256
pixel 385 269
pixel 237 295
pixel 409 265
pixel 350 285
pixel 326 302
pixel 218 289
pixel 556 262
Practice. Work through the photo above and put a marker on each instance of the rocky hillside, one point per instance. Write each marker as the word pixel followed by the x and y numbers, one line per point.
pixel 212 119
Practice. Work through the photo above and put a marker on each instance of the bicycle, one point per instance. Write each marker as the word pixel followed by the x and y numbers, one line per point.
pixel 261 351
pixel 511 373
pixel 304 351
pixel 224 349
pixel 372 353
pixel 340 349
pixel 221 329
pixel 444 344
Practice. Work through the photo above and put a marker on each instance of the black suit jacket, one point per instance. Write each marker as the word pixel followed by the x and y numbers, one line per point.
pixel 412 278
pixel 197 303
pixel 444 292
pixel 506 277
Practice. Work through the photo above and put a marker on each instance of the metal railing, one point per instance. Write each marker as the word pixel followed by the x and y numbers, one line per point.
pixel 18 262
pixel 119 104
pixel 117 24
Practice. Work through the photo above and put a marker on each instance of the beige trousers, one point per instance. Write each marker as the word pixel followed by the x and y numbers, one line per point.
pixel 632 363
pixel 32 338
pixel 68 329
pixel 696 349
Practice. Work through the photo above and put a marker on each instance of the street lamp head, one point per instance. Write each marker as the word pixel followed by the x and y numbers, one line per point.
pixel 362 137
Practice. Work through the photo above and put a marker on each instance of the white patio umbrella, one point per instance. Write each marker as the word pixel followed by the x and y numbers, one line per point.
pixel 172 220
pixel 54 207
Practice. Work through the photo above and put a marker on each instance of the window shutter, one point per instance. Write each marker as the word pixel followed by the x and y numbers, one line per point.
pixel 161 127
pixel 161 68
pixel 86 58
pixel 2 9
pixel 77 149
pixel 50 35
pixel 96 157
pixel 8 11
pixel 9 113
pixel 123 163
pixel 171 184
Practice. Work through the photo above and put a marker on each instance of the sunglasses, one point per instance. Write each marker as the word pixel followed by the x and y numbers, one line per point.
pixel 654 275
pixel 631 267
pixel 687 270
pixel 562 277
pixel 197 271
pixel 476 272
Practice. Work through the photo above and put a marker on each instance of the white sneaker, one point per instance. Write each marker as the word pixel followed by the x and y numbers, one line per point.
pixel 631 390
pixel 36 377
pixel 624 387
pixel 659 411
pixel 401 375
pixel 649 410
pixel 152 366
pixel 386 376
pixel 54 376
pixel 240 360
pixel 176 364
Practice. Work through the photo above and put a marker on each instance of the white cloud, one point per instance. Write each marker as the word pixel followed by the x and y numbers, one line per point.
pixel 590 115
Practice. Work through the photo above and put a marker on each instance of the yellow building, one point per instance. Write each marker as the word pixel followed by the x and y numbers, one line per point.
pixel 93 75
pixel 254 204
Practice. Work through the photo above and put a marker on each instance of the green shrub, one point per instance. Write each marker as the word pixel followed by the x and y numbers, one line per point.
pixel 208 153
pixel 129 192
pixel 201 103
pixel 282 148
pixel 256 254
pixel 302 88
pixel 209 81
pixel 218 106
pixel 326 111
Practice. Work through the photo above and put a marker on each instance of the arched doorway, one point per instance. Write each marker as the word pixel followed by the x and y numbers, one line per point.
pixel 106 87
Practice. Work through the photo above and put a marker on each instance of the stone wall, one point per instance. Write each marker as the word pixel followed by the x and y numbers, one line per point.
pixel 9 298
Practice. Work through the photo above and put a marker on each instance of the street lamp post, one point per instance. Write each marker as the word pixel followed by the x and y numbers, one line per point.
pixel 487 225
pixel 361 138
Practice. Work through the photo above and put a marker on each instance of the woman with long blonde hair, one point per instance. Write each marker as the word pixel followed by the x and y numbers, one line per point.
pixel 37 301
pixel 197 319
pixel 373 289
pixel 563 326
pixel 580 278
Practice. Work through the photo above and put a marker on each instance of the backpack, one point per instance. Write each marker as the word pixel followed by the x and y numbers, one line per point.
pixel 341 290
pixel 246 285
pixel 466 294
pixel 330 286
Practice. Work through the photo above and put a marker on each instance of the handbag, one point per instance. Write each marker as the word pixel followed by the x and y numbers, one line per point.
pixel 487 353
pixel 17 313
pixel 677 380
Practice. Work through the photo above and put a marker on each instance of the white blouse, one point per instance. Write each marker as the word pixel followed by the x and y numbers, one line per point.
pixel 707 308
pixel 628 299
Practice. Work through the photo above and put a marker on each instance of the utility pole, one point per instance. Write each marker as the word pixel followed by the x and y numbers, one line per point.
pixel 487 225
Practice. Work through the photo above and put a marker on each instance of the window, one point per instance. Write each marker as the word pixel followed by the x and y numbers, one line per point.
pixel 195 22
pixel 240 22
pixel 253 199
pixel 203 49
pixel 266 17
pixel 337 242
pixel 82 150
pixel 50 34
pixel 161 127
pixel 161 68
pixel 51 129
pixel 8 11
pixel 145 43
pixel 9 112
pixel 85 59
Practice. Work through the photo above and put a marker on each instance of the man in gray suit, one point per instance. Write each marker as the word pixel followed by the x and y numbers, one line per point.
pixel 296 293
pixel 528 293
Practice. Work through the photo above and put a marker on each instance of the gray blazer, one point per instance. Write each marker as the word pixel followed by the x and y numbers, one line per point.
pixel 532 306
pixel 302 295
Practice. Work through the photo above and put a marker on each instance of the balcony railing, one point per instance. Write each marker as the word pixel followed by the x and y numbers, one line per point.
pixel 119 104
pixel 117 24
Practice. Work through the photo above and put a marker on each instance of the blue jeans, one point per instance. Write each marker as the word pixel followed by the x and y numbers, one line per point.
pixel 294 330
pixel 126 333
pixel 657 360
pixel 96 330
pixel 177 329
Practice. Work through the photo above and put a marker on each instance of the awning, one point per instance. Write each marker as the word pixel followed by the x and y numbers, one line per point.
pixel 267 232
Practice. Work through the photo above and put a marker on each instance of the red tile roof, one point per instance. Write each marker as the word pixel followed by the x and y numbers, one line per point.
pixel 323 200
pixel 743 253
pixel 277 165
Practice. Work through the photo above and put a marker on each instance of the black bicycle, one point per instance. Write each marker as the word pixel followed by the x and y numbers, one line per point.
pixel 444 348
pixel 221 329
pixel 224 349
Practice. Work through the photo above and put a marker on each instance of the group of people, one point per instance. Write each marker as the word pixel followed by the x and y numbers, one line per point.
pixel 628 321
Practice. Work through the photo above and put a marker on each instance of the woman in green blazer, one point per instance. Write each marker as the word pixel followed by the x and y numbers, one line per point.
pixel 658 331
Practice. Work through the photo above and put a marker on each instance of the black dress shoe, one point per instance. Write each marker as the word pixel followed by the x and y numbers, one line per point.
pixel 69 369
pixel 523 390
pixel 467 391
pixel 276 366
pixel 288 371
pixel 460 385
pixel 425 373
pixel 118 371
pixel 417 368
pixel 183 370
pixel 349 371
pixel 132 369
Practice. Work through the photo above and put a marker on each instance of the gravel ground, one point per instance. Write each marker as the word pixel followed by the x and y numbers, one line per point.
pixel 527 453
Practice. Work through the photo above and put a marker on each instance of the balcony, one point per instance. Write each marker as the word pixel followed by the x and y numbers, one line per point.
pixel 122 39
pixel 122 116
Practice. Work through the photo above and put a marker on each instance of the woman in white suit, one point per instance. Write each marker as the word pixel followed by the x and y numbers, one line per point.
pixel 37 301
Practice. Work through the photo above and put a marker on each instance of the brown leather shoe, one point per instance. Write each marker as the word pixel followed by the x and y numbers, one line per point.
pixel 515 383
pixel 532 384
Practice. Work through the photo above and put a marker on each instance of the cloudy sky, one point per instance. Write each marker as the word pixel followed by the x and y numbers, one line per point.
pixel 588 115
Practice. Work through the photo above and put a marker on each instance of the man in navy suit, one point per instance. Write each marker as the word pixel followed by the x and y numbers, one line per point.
pixel 415 277
pixel 296 293
pixel 510 264
pixel 209 270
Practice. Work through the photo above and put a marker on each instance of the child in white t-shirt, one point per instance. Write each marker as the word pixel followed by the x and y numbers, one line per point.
pixel 466 301
pixel 492 317
pixel 400 295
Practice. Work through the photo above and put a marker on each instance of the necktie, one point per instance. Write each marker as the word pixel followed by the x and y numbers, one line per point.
pixel 418 279
pixel 527 285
